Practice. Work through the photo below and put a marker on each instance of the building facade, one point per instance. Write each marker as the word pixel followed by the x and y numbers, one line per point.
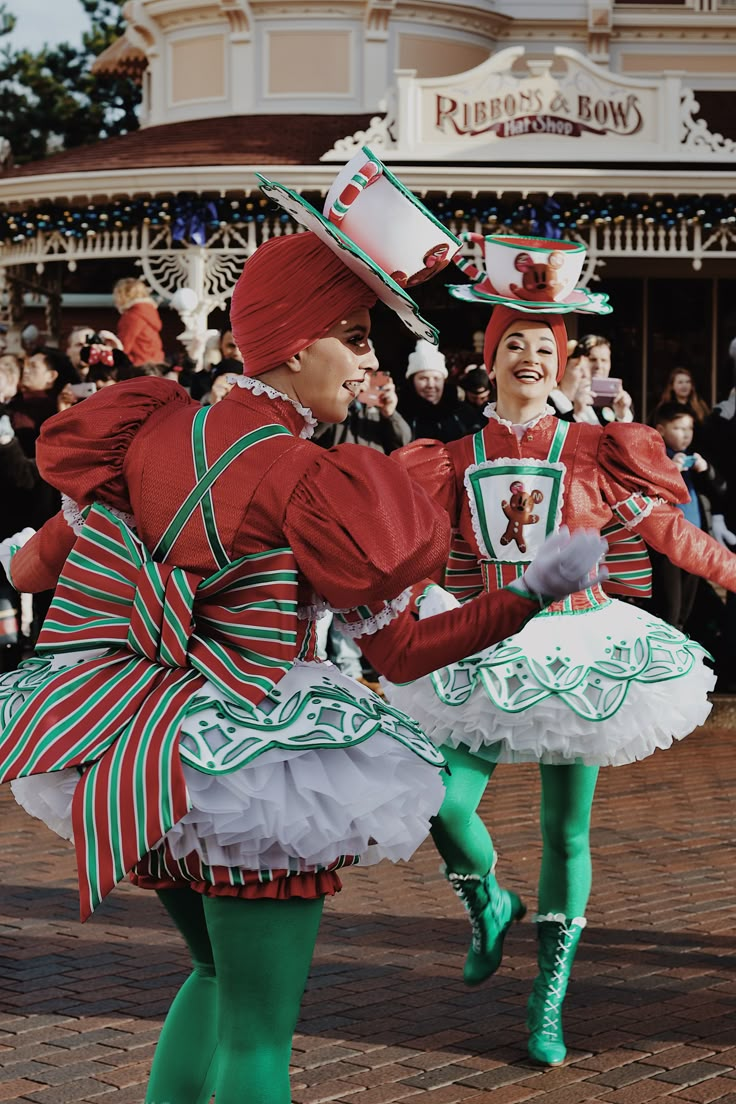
pixel 611 121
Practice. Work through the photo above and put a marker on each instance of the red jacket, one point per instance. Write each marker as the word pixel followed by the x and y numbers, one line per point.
pixel 359 530
pixel 139 329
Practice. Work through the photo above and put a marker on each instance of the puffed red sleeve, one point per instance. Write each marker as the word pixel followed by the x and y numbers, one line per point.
pixel 360 529
pixel 39 563
pixel 81 451
pixel 430 466
pixel 364 534
pixel 642 486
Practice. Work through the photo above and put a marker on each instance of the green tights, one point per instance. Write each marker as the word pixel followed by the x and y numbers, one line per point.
pixel 229 1029
pixel 462 838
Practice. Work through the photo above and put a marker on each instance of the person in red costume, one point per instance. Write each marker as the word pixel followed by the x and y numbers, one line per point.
pixel 589 681
pixel 175 720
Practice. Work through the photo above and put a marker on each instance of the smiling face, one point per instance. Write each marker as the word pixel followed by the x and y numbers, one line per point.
pixel 327 375
pixel 429 385
pixel 525 365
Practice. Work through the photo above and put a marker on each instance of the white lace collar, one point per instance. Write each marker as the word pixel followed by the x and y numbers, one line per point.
pixel 489 411
pixel 258 387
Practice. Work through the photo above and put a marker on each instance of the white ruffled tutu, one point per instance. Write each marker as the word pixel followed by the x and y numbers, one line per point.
pixel 604 686
pixel 292 808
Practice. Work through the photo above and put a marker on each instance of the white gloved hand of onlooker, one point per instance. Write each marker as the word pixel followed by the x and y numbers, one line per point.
pixel 566 563
pixel 721 532
pixel 10 546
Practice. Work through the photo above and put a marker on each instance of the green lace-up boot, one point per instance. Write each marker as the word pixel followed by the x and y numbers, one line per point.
pixel 492 911
pixel 558 940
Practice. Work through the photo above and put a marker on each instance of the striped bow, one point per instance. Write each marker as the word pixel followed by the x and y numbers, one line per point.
pixel 165 632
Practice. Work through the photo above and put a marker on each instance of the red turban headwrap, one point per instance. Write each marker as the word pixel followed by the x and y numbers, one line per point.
pixel 291 292
pixel 503 317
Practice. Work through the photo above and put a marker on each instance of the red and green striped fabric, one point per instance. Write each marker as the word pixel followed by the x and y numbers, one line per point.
pixel 118 715
pixel 627 560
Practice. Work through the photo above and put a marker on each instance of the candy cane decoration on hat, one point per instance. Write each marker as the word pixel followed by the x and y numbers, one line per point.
pixel 465 264
pixel 367 175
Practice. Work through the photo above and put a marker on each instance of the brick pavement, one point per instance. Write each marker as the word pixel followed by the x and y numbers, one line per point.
pixel 651 1011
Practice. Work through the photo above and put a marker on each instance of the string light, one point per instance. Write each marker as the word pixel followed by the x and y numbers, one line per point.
pixel 196 217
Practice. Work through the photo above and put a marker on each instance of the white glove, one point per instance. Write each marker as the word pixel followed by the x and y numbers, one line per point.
pixel 721 532
pixel 565 564
pixel 433 600
pixel 10 546
pixel 7 433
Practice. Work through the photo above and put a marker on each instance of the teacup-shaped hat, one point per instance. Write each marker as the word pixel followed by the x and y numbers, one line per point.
pixel 379 230
pixel 528 274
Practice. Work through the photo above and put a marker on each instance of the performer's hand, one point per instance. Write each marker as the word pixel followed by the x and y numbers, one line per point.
pixel 721 532
pixel 10 546
pixel 566 563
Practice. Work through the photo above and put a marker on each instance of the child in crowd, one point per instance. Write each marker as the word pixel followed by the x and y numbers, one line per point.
pixel 674 588
pixel 139 328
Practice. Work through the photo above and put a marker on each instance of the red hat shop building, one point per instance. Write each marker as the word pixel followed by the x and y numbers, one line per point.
pixel 610 121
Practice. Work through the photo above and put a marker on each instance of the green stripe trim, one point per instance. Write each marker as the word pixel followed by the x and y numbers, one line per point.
pixel 195 496
pixel 201 467
pixel 558 441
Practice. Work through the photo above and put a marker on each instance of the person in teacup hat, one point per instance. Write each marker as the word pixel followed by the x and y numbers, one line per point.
pixel 590 681
pixel 175 721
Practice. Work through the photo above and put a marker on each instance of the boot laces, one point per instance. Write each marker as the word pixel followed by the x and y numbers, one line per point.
pixel 555 989
pixel 473 905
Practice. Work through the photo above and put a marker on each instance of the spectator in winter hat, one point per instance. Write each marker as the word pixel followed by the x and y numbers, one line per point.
pixel 429 402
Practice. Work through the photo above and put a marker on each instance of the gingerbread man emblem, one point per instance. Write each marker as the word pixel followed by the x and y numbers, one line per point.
pixel 519 511
pixel 539 279
pixel 435 259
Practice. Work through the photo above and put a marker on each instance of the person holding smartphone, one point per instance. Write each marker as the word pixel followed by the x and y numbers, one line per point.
pixel 572 399
pixel 373 418
pixel 673 588
pixel 611 403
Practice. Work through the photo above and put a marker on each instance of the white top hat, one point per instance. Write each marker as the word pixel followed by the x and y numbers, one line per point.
pixel 379 230
pixel 426 358
pixel 528 274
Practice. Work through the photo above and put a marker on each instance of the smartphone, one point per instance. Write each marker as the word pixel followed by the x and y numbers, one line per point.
pixel 376 382
pixel 604 389
pixel 82 390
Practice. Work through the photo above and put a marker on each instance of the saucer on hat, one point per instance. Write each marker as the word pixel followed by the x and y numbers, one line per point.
pixel 382 232
pixel 528 274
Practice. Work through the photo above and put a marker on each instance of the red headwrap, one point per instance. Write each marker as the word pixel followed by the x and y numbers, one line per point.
pixel 291 292
pixel 503 317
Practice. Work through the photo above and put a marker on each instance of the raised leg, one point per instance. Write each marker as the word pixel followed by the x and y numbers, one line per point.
pixel 463 841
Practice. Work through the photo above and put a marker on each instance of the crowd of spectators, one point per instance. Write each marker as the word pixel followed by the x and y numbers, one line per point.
pixel 440 397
